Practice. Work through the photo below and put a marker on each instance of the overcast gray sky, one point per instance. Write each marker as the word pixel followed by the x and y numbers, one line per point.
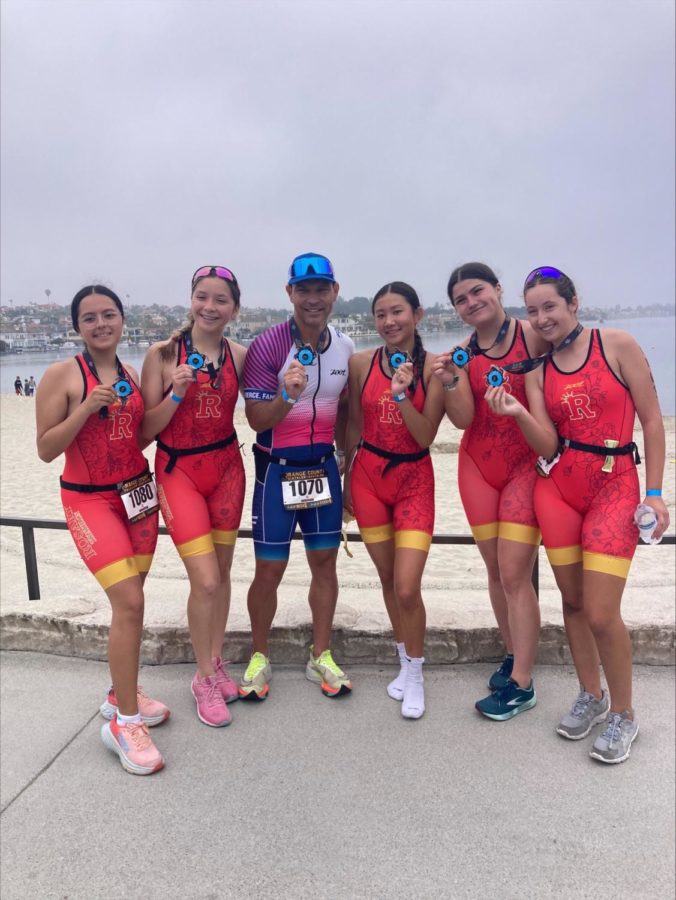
pixel 144 138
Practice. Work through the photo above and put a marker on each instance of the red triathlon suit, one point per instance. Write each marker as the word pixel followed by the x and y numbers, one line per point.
pixel 104 453
pixel 393 493
pixel 496 467
pixel 586 513
pixel 200 476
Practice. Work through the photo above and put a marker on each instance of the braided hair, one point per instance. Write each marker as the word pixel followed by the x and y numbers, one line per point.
pixel 168 351
pixel 410 296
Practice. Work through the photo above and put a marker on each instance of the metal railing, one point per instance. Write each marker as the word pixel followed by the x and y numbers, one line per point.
pixel 28 527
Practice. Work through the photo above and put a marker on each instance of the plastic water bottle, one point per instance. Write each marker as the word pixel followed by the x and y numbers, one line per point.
pixel 646 521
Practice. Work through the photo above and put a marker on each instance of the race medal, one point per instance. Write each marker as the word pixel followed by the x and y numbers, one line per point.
pixel 460 357
pixel 122 388
pixel 495 376
pixel 195 360
pixel 139 496
pixel 397 358
pixel 306 489
pixel 306 355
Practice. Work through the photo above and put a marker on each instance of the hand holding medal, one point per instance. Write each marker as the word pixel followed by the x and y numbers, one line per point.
pixel 294 381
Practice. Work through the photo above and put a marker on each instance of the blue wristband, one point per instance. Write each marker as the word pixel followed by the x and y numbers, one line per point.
pixel 175 397
pixel 286 398
pixel 399 398
pixel 654 492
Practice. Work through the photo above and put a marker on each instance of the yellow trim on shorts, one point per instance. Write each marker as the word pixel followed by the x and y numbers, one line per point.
pixel 116 572
pixel 522 534
pixel 485 532
pixel 378 534
pixel 607 565
pixel 412 540
pixel 564 556
pixel 199 546
pixel 227 538
pixel 144 562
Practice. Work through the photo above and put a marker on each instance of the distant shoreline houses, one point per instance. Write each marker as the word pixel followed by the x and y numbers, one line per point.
pixel 47 327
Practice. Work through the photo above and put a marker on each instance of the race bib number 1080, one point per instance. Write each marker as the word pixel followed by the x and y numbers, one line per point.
pixel 306 490
pixel 139 496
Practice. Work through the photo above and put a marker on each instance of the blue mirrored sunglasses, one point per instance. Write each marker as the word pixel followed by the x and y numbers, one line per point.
pixel 310 265
pixel 544 272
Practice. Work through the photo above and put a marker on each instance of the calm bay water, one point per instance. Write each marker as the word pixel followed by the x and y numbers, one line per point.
pixel 656 336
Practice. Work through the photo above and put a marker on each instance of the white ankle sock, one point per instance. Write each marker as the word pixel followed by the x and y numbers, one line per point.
pixel 413 704
pixel 395 689
pixel 129 720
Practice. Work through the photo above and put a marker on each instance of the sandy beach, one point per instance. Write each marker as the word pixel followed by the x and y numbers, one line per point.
pixel 454 582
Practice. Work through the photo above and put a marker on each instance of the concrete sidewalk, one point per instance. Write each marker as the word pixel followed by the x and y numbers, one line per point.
pixel 305 797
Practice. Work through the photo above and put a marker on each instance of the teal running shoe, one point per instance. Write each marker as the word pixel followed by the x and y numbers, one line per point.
pixel 507 701
pixel 502 674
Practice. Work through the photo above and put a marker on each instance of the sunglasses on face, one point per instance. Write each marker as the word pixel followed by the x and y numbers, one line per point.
pixel 210 271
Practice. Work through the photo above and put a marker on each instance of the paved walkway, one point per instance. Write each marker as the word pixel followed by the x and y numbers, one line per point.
pixel 305 797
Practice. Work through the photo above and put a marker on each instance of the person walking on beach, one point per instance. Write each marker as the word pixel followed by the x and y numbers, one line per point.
pixel 91 409
pixel 496 476
pixel 295 377
pixel 190 387
pixel 31 386
pixel 395 410
pixel 582 403
pixel 18 386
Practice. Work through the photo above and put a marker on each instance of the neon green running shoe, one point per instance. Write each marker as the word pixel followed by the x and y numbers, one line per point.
pixel 254 684
pixel 324 671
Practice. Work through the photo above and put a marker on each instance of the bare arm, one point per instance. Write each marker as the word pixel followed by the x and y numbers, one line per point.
pixel 458 402
pixel 535 424
pixel 156 377
pixel 634 370
pixel 57 393
pixel 238 356
pixel 424 425
pixel 265 414
pixel 357 369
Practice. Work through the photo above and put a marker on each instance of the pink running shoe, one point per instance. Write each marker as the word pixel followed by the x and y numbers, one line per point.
pixel 152 711
pixel 211 708
pixel 228 687
pixel 133 745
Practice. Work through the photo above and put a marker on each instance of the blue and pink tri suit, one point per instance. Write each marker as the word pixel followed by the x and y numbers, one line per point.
pixel 301 442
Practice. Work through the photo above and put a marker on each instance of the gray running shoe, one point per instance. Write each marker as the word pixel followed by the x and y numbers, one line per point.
pixel 614 745
pixel 586 712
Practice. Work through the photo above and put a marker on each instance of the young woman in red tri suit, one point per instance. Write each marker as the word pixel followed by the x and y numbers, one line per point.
pixel 496 476
pixel 190 385
pixel 395 410
pixel 91 409
pixel 582 403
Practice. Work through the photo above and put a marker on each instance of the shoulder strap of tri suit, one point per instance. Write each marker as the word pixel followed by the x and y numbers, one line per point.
pixel 80 362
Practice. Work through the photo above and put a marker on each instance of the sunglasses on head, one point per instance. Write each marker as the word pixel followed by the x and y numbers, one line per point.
pixel 310 266
pixel 544 272
pixel 210 271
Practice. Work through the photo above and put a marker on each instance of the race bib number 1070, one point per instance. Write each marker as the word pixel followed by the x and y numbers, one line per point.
pixel 306 489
